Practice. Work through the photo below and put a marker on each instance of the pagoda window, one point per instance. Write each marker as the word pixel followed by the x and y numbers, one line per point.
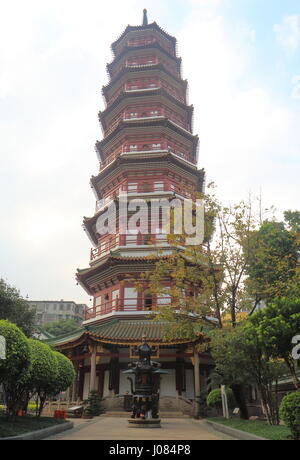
pixel 148 302
pixel 115 298
pixel 158 186
pixel 131 240
pixel 130 298
pixel 164 299
pixel 154 112
pixel 145 147
pixel 132 187
pixel 98 304
pixel 146 187
pixel 102 248
pixel 133 148
pixel 133 115
pixel 156 146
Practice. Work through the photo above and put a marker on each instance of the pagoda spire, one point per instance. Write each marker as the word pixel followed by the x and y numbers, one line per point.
pixel 145 18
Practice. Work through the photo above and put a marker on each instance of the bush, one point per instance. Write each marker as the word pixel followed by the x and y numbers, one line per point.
pixel 290 413
pixel 14 369
pixel 44 371
pixel 65 374
pixel 94 404
pixel 214 399
pixel 17 353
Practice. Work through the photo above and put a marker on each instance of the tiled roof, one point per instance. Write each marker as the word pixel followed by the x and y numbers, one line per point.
pixel 129 28
pixel 126 332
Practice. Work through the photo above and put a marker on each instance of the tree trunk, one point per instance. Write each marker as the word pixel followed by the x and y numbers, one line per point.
pixel 238 391
pixel 291 366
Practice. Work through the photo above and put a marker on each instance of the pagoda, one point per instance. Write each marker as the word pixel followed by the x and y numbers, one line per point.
pixel 148 151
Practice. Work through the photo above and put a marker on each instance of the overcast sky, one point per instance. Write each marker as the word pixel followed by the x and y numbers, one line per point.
pixel 241 58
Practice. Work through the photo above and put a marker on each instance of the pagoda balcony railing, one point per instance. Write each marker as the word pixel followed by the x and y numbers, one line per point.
pixel 128 241
pixel 143 189
pixel 142 65
pixel 138 65
pixel 125 90
pixel 127 151
pixel 128 305
pixel 145 88
pixel 116 122
pixel 138 43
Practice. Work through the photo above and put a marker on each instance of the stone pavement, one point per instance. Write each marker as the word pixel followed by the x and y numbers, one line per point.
pixel 115 428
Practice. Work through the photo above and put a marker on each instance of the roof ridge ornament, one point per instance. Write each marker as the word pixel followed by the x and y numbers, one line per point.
pixel 145 18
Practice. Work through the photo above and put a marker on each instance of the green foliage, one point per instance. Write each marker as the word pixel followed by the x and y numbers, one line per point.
pixel 290 413
pixel 61 327
pixel 17 353
pixel 16 309
pixel 43 376
pixel 208 279
pixel 273 263
pixel 15 368
pixel 44 366
pixel 257 427
pixel 275 326
pixel 214 399
pixel 94 404
pixel 240 359
pixel 65 373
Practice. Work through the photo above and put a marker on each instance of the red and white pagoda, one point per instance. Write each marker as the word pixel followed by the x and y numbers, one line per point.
pixel 148 151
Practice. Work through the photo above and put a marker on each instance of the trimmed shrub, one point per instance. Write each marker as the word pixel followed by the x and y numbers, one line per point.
pixel 290 413
pixel 15 368
pixel 65 373
pixel 94 404
pixel 214 399
pixel 17 353
pixel 44 371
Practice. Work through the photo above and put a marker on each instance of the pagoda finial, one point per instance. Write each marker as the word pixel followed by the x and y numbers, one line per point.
pixel 145 18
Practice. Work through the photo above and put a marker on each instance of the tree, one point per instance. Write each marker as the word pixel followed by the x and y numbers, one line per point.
pixel 276 325
pixel 61 327
pixel 65 373
pixel 273 265
pixel 16 309
pixel 14 369
pixel 290 413
pixel 43 375
pixel 240 361
pixel 209 279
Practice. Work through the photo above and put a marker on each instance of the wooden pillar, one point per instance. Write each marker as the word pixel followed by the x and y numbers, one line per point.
pixel 197 383
pixel 180 375
pixel 93 368
pixel 74 386
pixel 114 373
pixel 80 381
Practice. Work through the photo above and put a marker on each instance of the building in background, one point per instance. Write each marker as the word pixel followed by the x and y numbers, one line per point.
pixel 50 311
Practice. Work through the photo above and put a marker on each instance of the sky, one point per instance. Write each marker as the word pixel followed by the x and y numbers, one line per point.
pixel 242 61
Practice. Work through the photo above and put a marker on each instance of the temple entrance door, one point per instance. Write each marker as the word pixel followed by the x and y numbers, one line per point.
pixel 168 384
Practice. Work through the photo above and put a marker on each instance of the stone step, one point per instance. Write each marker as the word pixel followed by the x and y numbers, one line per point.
pixel 162 414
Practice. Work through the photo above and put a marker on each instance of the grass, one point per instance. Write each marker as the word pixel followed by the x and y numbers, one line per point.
pixel 257 427
pixel 24 425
